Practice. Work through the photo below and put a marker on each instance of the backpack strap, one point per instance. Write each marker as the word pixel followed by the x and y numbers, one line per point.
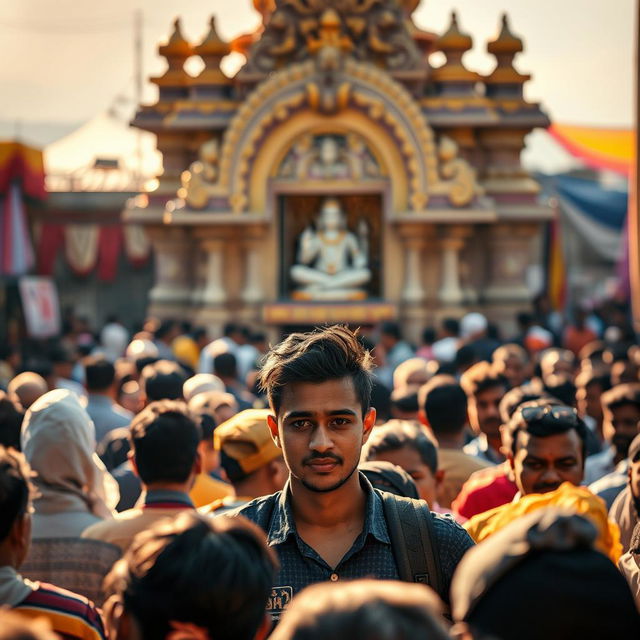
pixel 411 529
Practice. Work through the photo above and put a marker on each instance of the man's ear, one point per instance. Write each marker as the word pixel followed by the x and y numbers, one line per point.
pixel 368 423
pixel 197 463
pixel 422 417
pixel 439 477
pixel 117 622
pixel 273 427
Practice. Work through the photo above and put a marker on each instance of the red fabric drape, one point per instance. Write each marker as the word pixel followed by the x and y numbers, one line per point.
pixel 109 247
pixel 51 241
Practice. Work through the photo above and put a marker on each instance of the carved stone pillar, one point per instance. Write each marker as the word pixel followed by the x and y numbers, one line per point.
pixel 172 266
pixel 213 292
pixel 413 291
pixel 253 292
pixel 451 292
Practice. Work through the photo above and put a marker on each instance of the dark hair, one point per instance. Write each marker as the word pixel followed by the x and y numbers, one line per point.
pixel 326 354
pixel 163 380
pixel 451 325
pixel 10 423
pixel 589 377
pixel 230 328
pixel 561 387
pixel 391 329
pixel 15 489
pixel 397 434
pixel 165 327
pixel 480 377
pixel 99 373
pixel 225 365
pixel 389 477
pixel 621 395
pixel 114 448
pixel 465 356
pixel 215 574
pixel 165 441
pixel 428 335
pixel 141 363
pixel 208 426
pixel 517 396
pixel 372 609
pixel 444 404
pixel 545 425
pixel 404 400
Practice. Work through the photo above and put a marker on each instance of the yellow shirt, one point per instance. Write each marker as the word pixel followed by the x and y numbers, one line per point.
pixel 576 499
pixel 207 489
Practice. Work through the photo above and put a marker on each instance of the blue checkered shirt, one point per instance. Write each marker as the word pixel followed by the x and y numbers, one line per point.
pixel 370 556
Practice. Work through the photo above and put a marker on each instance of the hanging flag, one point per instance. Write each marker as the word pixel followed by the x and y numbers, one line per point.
pixel 556 273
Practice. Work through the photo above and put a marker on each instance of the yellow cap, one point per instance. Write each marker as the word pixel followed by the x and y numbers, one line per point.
pixel 246 438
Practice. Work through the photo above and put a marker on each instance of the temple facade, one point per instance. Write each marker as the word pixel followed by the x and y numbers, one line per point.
pixel 339 176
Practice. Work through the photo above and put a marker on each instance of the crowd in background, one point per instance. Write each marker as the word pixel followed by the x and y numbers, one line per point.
pixel 123 452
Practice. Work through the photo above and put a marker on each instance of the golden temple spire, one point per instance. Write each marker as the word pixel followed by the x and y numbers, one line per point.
pixel 506 42
pixel 212 50
pixel 176 51
pixel 505 47
pixel 453 43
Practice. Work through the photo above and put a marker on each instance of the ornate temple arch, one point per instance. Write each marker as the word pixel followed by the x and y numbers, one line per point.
pixel 356 99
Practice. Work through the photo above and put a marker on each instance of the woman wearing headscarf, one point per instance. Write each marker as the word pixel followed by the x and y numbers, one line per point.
pixel 73 486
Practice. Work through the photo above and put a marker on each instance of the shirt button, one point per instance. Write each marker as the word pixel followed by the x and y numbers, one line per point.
pixel 334 577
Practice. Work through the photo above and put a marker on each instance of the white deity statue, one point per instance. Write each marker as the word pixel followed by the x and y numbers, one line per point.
pixel 332 264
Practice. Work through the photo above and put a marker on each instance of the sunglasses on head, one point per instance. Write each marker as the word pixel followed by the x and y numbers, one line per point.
pixel 562 413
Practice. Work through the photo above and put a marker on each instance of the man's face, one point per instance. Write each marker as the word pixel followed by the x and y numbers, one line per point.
pixel 320 429
pixel 541 465
pixel 620 426
pixel 484 413
pixel 588 400
pixel 634 477
pixel 409 459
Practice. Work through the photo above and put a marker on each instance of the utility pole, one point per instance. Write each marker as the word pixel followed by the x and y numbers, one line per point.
pixel 634 191
pixel 137 63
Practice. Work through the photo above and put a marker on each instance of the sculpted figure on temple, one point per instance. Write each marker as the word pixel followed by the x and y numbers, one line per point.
pixel 331 263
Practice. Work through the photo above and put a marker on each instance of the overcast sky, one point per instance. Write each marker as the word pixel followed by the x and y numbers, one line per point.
pixel 68 61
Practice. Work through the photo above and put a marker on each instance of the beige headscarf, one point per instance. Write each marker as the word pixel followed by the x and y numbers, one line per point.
pixel 58 441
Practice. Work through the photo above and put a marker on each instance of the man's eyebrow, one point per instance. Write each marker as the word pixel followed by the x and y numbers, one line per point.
pixel 309 414
pixel 343 412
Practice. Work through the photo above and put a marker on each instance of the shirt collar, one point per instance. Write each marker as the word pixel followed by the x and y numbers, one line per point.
pixel 283 524
pixel 166 499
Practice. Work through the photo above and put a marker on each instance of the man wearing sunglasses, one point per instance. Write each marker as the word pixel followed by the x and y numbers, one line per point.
pixel 546 443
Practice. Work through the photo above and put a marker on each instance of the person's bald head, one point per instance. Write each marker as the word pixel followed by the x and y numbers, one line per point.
pixel 26 388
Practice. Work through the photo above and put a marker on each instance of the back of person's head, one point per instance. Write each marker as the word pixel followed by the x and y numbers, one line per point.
pixel 15 489
pixel 404 403
pixel 99 373
pixel 165 440
pixel 473 324
pixel 428 335
pixel 372 609
pixel 389 477
pixel 225 365
pixel 480 377
pixel 162 380
pixel 517 396
pixel 466 356
pixel 327 354
pixel 621 395
pixel 397 434
pixel 444 405
pixel 14 626
pixel 451 326
pixel 411 373
pixel 26 388
pixel 245 444
pixel 201 383
pixel 391 329
pixel 535 579
pixel 10 422
pixel 193 577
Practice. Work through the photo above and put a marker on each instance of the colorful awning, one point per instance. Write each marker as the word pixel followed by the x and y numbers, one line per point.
pixel 24 164
pixel 597 147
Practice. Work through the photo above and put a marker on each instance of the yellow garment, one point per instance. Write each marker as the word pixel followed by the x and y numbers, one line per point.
pixel 577 499
pixel 186 350
pixel 206 490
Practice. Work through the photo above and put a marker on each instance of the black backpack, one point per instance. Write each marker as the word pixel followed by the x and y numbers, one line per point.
pixel 413 541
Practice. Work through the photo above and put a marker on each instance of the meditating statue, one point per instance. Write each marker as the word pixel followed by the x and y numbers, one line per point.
pixel 332 261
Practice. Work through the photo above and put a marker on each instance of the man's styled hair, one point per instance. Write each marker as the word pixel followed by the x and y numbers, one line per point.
pixel 165 441
pixel 99 373
pixel 163 380
pixel 444 403
pixel 550 419
pixel 397 434
pixel 379 609
pixel 210 576
pixel 621 395
pixel 519 395
pixel 15 489
pixel 480 377
pixel 326 354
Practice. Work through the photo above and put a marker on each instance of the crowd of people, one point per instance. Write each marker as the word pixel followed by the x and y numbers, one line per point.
pixel 168 484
